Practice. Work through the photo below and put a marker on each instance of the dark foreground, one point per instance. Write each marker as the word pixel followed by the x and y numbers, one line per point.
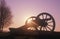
pixel 32 35
pixel 23 33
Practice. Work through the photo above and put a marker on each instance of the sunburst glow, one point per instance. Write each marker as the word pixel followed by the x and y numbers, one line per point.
pixel 29 21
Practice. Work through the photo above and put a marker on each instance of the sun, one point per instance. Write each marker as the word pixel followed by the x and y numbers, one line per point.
pixel 28 20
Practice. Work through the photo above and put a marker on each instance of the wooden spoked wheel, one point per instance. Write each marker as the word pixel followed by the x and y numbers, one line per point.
pixel 46 22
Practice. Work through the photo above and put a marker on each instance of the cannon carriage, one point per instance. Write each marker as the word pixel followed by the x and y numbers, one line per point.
pixel 42 22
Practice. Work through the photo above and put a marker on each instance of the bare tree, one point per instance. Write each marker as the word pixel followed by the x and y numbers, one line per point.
pixel 5 15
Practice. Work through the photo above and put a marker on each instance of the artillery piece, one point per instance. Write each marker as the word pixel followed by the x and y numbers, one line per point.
pixel 43 22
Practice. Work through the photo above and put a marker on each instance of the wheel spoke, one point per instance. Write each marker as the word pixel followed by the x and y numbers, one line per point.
pixel 49 18
pixel 49 28
pixel 46 17
pixel 50 22
pixel 42 16
pixel 46 28
pixel 50 25
pixel 41 28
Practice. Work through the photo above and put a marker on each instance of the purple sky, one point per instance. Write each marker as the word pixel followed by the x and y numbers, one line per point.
pixel 22 9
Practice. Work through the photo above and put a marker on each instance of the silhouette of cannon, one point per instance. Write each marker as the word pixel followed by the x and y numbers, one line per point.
pixel 43 22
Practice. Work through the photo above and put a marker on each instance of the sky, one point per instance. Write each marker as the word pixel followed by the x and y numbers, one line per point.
pixel 22 9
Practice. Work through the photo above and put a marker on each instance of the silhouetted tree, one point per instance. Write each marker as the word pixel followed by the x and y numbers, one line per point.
pixel 5 15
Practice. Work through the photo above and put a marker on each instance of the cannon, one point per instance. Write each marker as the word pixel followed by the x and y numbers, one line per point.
pixel 42 22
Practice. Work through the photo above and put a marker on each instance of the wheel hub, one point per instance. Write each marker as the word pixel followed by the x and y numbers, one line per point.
pixel 43 23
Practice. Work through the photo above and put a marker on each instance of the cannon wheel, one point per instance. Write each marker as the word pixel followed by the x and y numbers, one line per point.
pixel 31 23
pixel 49 21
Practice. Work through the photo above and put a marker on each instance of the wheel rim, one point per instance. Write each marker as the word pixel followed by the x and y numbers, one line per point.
pixel 49 22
